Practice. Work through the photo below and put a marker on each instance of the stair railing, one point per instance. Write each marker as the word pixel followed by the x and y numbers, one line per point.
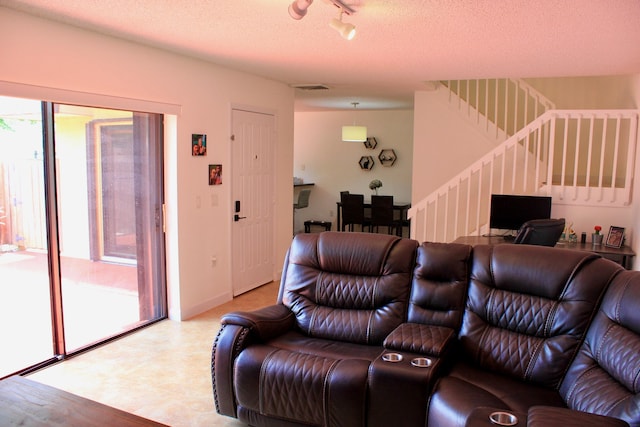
pixel 500 106
pixel 577 156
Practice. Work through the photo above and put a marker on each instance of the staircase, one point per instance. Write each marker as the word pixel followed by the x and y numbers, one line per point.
pixel 580 157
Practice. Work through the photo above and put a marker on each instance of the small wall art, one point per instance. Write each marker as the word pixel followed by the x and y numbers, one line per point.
pixel 371 143
pixel 198 144
pixel 615 236
pixel 387 157
pixel 366 163
pixel 215 174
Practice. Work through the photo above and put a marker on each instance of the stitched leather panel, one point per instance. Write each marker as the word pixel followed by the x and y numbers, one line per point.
pixel 292 386
pixel 421 339
pixel 604 378
pixel 439 285
pixel 342 291
pixel 348 286
pixel 544 416
pixel 521 313
pixel 528 308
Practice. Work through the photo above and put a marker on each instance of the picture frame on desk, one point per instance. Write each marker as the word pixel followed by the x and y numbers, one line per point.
pixel 615 236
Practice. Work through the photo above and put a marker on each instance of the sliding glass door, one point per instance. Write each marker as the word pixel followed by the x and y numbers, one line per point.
pixel 25 292
pixel 82 209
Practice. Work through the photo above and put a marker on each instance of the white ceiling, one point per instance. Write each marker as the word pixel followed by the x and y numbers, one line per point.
pixel 400 45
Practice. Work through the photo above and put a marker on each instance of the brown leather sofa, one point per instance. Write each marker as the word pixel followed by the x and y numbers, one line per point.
pixel 376 330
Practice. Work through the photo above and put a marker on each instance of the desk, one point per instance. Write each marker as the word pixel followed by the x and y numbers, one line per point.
pixel 622 256
pixel 402 208
pixel 24 402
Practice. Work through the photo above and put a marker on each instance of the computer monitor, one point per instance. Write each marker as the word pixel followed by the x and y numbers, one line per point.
pixel 509 212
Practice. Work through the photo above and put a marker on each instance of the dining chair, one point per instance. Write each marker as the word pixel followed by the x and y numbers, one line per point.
pixel 303 202
pixel 353 211
pixel 382 214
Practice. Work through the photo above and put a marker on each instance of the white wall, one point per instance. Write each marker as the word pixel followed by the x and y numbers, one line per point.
pixel 635 208
pixel 444 145
pixel 47 60
pixel 322 158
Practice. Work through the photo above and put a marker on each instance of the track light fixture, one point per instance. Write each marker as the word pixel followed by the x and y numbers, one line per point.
pixel 346 30
pixel 298 9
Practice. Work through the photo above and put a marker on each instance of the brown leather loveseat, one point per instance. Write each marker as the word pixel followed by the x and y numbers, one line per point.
pixel 375 330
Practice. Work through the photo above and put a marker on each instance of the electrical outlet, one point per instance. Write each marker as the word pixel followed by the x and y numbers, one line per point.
pixel 331 214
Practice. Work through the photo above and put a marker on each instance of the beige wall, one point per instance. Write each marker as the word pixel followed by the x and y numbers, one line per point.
pixel 46 60
pixel 603 92
pixel 444 145
pixel 322 158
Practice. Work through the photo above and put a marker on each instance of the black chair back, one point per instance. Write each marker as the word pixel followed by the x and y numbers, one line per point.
pixel 543 232
pixel 352 210
pixel 382 213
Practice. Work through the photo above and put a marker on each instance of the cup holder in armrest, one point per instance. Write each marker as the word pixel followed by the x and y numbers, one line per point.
pixel 421 362
pixel 503 418
pixel 392 357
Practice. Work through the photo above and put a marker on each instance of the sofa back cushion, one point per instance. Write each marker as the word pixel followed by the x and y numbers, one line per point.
pixel 604 378
pixel 528 308
pixel 350 287
pixel 440 282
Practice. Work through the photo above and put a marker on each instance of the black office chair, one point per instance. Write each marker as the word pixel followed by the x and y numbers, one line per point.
pixel 543 232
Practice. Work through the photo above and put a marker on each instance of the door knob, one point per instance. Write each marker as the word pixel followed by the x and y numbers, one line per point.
pixel 237 217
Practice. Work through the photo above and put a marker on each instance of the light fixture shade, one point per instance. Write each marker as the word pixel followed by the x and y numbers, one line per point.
pixel 298 9
pixel 346 30
pixel 354 133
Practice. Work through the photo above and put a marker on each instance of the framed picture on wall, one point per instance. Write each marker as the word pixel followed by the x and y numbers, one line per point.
pixel 215 174
pixel 198 144
pixel 614 238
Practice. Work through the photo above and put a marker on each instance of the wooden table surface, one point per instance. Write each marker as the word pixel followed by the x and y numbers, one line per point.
pixel 623 255
pixel 24 402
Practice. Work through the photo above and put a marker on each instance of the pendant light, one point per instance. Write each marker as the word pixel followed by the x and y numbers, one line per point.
pixel 353 133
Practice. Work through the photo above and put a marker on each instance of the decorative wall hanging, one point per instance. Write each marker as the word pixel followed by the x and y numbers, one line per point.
pixel 387 157
pixel 215 174
pixel 370 143
pixel 366 162
pixel 198 144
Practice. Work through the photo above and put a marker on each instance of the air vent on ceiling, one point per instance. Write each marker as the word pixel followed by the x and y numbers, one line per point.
pixel 311 87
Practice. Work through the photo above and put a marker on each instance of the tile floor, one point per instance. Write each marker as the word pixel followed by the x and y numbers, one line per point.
pixel 162 372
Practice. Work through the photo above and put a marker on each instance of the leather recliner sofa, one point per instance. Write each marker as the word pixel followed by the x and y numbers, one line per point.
pixel 376 330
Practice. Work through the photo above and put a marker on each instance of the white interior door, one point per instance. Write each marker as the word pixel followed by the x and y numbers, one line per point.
pixel 253 199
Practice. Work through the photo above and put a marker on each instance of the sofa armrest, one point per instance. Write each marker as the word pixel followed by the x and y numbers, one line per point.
pixel 265 323
pixel 421 339
pixel 549 416
pixel 238 330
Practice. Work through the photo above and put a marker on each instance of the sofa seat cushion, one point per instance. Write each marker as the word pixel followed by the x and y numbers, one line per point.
pixel 466 387
pixel 305 380
pixel 297 342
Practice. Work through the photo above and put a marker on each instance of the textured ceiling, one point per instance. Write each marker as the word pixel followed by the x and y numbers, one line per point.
pixel 399 45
